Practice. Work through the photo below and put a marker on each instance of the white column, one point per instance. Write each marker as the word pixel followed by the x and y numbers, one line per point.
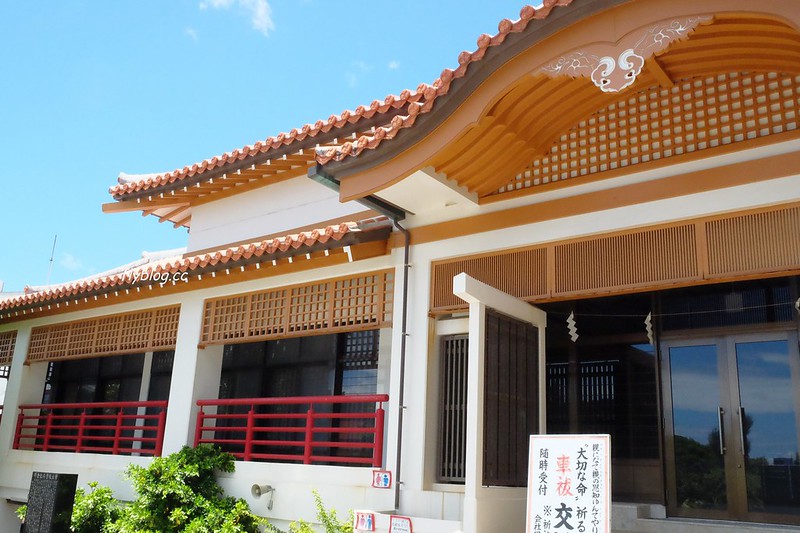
pixel 25 385
pixel 195 375
pixel 473 461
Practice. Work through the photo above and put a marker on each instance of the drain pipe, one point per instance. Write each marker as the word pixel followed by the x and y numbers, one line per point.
pixel 403 334
pixel 320 175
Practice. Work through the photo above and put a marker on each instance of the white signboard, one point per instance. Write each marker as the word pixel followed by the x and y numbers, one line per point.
pixel 569 484
pixel 400 524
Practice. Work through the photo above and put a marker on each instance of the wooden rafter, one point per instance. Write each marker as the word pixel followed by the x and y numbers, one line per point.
pixel 172 214
pixel 659 73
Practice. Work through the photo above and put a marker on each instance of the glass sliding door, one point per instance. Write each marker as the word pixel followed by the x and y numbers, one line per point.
pixel 697 445
pixel 767 372
pixel 732 405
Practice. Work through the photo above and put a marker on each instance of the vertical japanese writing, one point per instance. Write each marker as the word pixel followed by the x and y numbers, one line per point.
pixel 568 490
pixel 595 488
pixel 544 455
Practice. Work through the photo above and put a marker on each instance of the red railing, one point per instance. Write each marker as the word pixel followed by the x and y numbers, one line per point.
pixel 117 428
pixel 304 429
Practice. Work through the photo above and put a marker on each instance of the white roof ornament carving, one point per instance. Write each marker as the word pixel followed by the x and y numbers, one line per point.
pixel 613 67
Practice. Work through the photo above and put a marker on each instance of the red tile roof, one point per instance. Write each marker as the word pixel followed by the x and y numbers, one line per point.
pixel 265 249
pixel 272 143
pixel 441 86
pixel 418 102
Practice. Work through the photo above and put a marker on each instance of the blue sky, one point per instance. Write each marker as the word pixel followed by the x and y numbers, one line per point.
pixel 92 88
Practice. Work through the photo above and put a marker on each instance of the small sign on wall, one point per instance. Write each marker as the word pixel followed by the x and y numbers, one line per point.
pixel 363 521
pixel 569 484
pixel 400 524
pixel 381 479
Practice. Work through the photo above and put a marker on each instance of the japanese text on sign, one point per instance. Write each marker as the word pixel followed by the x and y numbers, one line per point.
pixel 569 484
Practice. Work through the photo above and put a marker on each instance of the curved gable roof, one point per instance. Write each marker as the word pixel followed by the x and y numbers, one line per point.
pixel 346 134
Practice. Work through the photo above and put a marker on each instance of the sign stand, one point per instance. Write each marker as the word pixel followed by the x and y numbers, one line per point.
pixel 569 484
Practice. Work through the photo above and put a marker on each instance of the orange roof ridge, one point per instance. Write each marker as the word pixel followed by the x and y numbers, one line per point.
pixel 419 102
pixel 178 264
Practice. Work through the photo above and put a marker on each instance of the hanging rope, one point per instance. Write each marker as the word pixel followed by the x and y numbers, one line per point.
pixel 682 313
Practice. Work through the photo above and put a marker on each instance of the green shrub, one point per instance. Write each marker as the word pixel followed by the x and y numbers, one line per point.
pixel 179 493
pixel 95 510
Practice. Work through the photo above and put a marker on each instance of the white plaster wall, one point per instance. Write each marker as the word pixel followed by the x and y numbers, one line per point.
pixel 284 206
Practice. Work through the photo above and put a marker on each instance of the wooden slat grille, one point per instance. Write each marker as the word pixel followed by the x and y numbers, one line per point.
pixel 341 304
pixel 453 410
pixel 720 247
pixel 520 273
pixel 627 260
pixel 8 340
pixel 511 392
pixel 138 331
pixel 695 114
pixel 756 242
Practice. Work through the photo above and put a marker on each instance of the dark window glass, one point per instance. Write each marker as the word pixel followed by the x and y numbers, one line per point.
pixel 606 382
pixel 115 378
pixel 359 363
pixel 728 304
pixel 97 379
pixel 160 380
pixel 161 375
pixel 318 365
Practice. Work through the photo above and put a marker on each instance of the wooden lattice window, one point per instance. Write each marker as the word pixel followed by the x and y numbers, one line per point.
pixel 138 331
pixel 8 341
pixel 695 114
pixel 349 303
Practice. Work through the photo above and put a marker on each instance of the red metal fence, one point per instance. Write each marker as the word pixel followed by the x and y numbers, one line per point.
pixel 306 429
pixel 117 428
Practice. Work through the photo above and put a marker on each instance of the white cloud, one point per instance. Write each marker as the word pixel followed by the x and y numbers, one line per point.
pixel 216 4
pixel 354 73
pixel 259 11
pixel 393 65
pixel 192 33
pixel 70 262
